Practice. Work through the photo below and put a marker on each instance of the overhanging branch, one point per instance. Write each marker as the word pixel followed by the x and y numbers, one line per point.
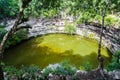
pixel 22 27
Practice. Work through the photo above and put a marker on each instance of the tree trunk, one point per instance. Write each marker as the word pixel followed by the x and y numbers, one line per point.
pixel 100 58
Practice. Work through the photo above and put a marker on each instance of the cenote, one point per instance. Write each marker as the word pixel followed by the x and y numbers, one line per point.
pixel 54 48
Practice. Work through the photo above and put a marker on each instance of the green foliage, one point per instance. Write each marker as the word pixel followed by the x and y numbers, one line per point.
pixel 2 33
pixel 113 66
pixel 80 19
pixel 11 70
pixel 1 26
pixel 98 18
pixel 84 17
pixel 33 73
pixel 32 70
pixel 15 38
pixel 50 13
pixel 24 73
pixel 69 69
pixel 109 21
pixel 87 66
pixel 115 63
pixel 8 8
pixel 43 8
pixel 70 28
pixel 64 68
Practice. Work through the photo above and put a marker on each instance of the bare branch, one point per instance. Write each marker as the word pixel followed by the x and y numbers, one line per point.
pixel 22 27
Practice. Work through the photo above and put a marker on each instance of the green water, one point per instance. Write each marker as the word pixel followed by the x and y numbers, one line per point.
pixel 54 48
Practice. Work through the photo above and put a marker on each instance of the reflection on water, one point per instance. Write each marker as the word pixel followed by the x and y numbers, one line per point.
pixel 53 48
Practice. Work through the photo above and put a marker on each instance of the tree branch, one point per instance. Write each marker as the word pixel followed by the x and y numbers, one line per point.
pixel 22 27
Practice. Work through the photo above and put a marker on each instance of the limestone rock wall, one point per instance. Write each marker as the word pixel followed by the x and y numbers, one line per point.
pixel 111 38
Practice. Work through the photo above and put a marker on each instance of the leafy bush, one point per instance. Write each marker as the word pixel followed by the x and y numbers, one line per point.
pixel 98 18
pixel 109 21
pixel 48 13
pixel 33 73
pixel 8 8
pixel 26 73
pixel 70 28
pixel 115 63
pixel 15 38
pixel 87 66
pixel 63 68
pixel 84 17
pixel 11 71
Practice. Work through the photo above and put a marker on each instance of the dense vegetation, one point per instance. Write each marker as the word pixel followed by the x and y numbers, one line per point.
pixel 83 11
pixel 15 38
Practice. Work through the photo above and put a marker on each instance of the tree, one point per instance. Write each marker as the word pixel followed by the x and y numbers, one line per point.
pixel 102 11
pixel 13 30
pixel 101 8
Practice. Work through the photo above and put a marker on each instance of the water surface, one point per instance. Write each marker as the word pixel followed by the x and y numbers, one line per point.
pixel 54 48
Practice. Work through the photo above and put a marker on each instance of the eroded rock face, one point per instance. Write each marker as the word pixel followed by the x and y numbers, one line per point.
pixel 115 74
pixel 111 38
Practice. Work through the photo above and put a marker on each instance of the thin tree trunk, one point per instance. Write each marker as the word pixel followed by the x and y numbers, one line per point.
pixel 100 58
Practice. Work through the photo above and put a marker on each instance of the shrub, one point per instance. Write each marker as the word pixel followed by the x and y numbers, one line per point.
pixel 8 8
pixel 15 38
pixel 26 73
pixel 80 19
pixel 64 68
pixel 109 21
pixel 98 18
pixel 87 66
pixel 70 28
pixel 115 63
pixel 30 71
pixel 84 17
pixel 11 71
pixel 70 70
